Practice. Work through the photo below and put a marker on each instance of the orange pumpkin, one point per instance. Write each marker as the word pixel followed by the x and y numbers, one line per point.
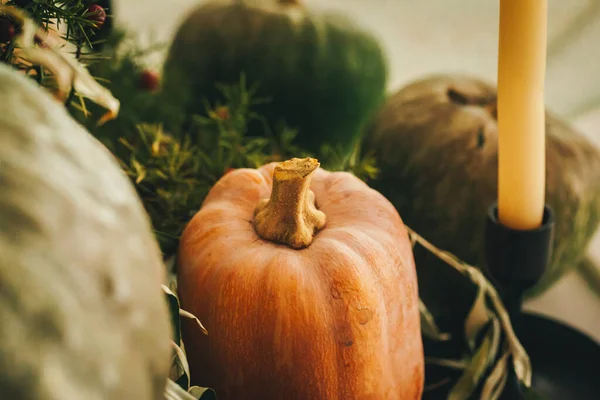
pixel 306 282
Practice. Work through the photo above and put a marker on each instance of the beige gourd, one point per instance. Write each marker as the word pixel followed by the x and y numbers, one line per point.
pixel 82 315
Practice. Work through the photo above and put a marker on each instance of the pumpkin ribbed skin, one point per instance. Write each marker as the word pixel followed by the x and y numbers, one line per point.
pixel 436 144
pixel 322 74
pixel 82 315
pixel 336 320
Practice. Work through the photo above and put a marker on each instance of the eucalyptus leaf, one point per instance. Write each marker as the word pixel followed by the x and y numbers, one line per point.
pixel 182 366
pixel 472 375
pixel 428 326
pixel 487 307
pixel 448 363
pixel 530 394
pixel 477 318
pixel 521 361
pixel 174 392
pixel 496 338
pixel 189 315
pixel 496 379
pixel 201 393
pixel 173 303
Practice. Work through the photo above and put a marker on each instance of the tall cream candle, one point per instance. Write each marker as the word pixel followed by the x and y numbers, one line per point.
pixel 521 121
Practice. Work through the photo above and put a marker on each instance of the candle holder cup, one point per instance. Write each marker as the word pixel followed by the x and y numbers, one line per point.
pixel 564 360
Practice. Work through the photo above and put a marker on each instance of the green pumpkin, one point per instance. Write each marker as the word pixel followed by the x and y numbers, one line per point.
pixel 436 144
pixel 322 74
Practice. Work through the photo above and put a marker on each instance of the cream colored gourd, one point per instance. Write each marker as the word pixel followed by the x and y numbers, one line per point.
pixel 82 314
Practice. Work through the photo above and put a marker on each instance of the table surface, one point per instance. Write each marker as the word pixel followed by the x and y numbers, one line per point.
pixel 461 36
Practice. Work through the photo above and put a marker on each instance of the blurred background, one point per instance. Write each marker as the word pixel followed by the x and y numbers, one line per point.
pixel 432 36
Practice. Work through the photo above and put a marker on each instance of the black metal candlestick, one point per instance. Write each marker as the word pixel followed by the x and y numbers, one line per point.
pixel 563 359
pixel 516 259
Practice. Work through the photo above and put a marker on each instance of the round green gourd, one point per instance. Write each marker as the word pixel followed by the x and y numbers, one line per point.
pixel 435 141
pixel 322 74
pixel 82 314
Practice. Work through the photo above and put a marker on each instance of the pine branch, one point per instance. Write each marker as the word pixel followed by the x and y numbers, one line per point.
pixel 174 169
pixel 55 13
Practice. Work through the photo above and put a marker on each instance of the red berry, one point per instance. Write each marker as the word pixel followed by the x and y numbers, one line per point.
pixel 96 14
pixel 7 30
pixel 222 113
pixel 149 80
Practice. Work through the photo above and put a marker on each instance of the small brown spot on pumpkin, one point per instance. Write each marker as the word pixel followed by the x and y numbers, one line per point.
pixel 335 293
pixel 364 315
pixel 348 343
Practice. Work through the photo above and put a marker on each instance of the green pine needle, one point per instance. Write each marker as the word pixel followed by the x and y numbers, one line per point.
pixel 173 170
pixel 56 13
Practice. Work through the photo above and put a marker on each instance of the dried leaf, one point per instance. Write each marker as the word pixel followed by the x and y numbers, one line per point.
pixel 496 380
pixel 469 380
pixel 140 171
pixel 477 318
pixel 189 315
pixel 180 361
pixel 201 393
pixel 173 303
pixel 531 394
pixel 521 361
pixel 428 326
pixel 448 363
pixel 68 72
pixel 174 392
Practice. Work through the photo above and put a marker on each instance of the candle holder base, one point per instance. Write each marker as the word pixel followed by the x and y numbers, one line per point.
pixel 564 360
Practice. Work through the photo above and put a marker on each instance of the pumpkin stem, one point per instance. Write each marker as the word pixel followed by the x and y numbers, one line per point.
pixel 290 216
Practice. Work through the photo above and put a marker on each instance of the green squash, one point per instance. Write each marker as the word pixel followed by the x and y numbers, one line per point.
pixel 436 144
pixel 82 313
pixel 322 75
